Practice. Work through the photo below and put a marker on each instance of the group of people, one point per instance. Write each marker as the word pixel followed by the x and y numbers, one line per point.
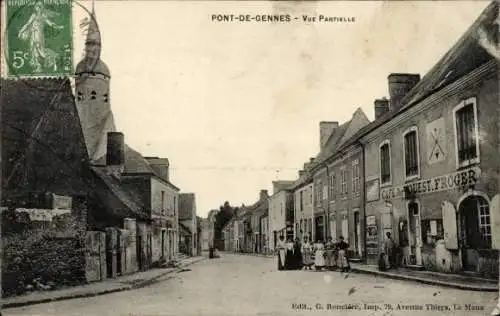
pixel 294 255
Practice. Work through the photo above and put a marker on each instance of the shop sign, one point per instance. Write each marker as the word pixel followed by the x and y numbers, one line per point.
pixel 455 180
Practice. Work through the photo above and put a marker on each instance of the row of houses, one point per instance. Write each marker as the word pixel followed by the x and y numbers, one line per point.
pixel 426 170
pixel 63 158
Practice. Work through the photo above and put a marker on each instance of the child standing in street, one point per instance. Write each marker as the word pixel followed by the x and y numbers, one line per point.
pixel 319 256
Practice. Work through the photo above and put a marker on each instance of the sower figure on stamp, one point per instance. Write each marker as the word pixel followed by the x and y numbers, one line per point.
pixel 33 33
pixel 281 250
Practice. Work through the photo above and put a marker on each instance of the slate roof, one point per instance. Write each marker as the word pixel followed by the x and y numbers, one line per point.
pixel 42 143
pixel 129 198
pixel 340 136
pixel 467 54
pixel 187 206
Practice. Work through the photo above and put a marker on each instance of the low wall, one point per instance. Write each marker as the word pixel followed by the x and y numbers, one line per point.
pixel 34 260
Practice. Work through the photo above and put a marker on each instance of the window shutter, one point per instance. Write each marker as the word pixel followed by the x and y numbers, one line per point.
pixel 449 225
pixel 495 222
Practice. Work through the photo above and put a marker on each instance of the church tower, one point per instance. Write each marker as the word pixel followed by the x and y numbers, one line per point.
pixel 92 82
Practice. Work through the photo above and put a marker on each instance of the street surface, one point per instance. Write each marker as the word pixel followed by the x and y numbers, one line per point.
pixel 251 285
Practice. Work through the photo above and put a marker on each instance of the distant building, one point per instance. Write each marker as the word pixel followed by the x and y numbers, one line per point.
pixel 187 217
pixel 280 212
pixel 338 184
pixel 302 190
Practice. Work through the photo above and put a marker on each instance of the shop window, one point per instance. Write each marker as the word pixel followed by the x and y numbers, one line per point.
pixel 466 133
pixel 385 162
pixel 411 154
pixel 484 220
pixel 432 231
pixel 475 222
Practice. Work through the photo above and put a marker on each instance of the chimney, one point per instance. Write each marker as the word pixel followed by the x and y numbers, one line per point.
pixel 115 155
pixel 301 173
pixel 381 107
pixel 325 131
pixel 311 160
pixel 399 85
pixel 160 166
pixel 263 195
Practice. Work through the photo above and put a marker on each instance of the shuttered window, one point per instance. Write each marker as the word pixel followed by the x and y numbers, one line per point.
pixel 466 133
pixel 355 177
pixel 332 186
pixel 385 163
pixel 411 153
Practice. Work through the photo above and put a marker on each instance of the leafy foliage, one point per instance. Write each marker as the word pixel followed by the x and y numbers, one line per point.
pixel 41 258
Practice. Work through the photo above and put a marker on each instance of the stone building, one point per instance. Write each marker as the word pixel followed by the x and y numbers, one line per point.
pixel 187 217
pixel 280 212
pixel 337 177
pixel 434 184
pixel 302 190
pixel 338 183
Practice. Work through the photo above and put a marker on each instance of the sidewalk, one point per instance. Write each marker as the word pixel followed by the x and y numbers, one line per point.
pixel 249 254
pixel 428 277
pixel 122 283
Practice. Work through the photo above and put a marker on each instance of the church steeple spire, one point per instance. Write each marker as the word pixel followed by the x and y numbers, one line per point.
pixel 93 41
pixel 92 63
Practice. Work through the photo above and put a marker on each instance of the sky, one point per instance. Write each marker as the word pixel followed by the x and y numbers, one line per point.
pixel 237 105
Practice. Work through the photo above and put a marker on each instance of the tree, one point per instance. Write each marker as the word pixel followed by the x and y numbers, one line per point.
pixel 226 212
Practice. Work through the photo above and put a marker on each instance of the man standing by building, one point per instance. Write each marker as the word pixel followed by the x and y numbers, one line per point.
pixel 389 250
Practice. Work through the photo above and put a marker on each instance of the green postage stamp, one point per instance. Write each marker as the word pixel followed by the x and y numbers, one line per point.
pixel 39 38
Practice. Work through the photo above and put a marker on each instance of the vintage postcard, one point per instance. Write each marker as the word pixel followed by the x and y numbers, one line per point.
pixel 249 158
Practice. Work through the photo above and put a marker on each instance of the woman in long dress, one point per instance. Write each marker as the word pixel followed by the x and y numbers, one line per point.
pixel 297 255
pixel 281 250
pixel 330 254
pixel 289 257
pixel 319 256
pixel 307 254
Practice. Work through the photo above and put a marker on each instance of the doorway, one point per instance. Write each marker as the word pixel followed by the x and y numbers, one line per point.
pixel 357 238
pixel 415 233
pixel 163 244
pixel 139 252
pixel 475 228
pixel 319 228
